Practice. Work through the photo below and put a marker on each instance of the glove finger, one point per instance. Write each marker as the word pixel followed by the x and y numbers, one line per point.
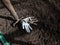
pixel 22 25
pixel 27 29
pixel 30 27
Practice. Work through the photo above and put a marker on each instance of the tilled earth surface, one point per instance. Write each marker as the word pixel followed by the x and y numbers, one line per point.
pixel 47 31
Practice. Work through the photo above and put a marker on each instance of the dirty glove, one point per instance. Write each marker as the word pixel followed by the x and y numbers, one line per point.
pixel 26 23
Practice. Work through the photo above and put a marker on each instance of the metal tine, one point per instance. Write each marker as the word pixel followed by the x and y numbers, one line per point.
pixel 32 18
pixel 33 23
pixel 35 20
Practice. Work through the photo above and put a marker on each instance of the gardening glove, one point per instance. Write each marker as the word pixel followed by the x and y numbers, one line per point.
pixel 26 23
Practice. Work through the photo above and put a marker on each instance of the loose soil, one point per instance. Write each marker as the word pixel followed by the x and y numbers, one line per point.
pixel 47 31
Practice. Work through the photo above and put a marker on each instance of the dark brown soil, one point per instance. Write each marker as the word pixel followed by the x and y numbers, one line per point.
pixel 47 32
